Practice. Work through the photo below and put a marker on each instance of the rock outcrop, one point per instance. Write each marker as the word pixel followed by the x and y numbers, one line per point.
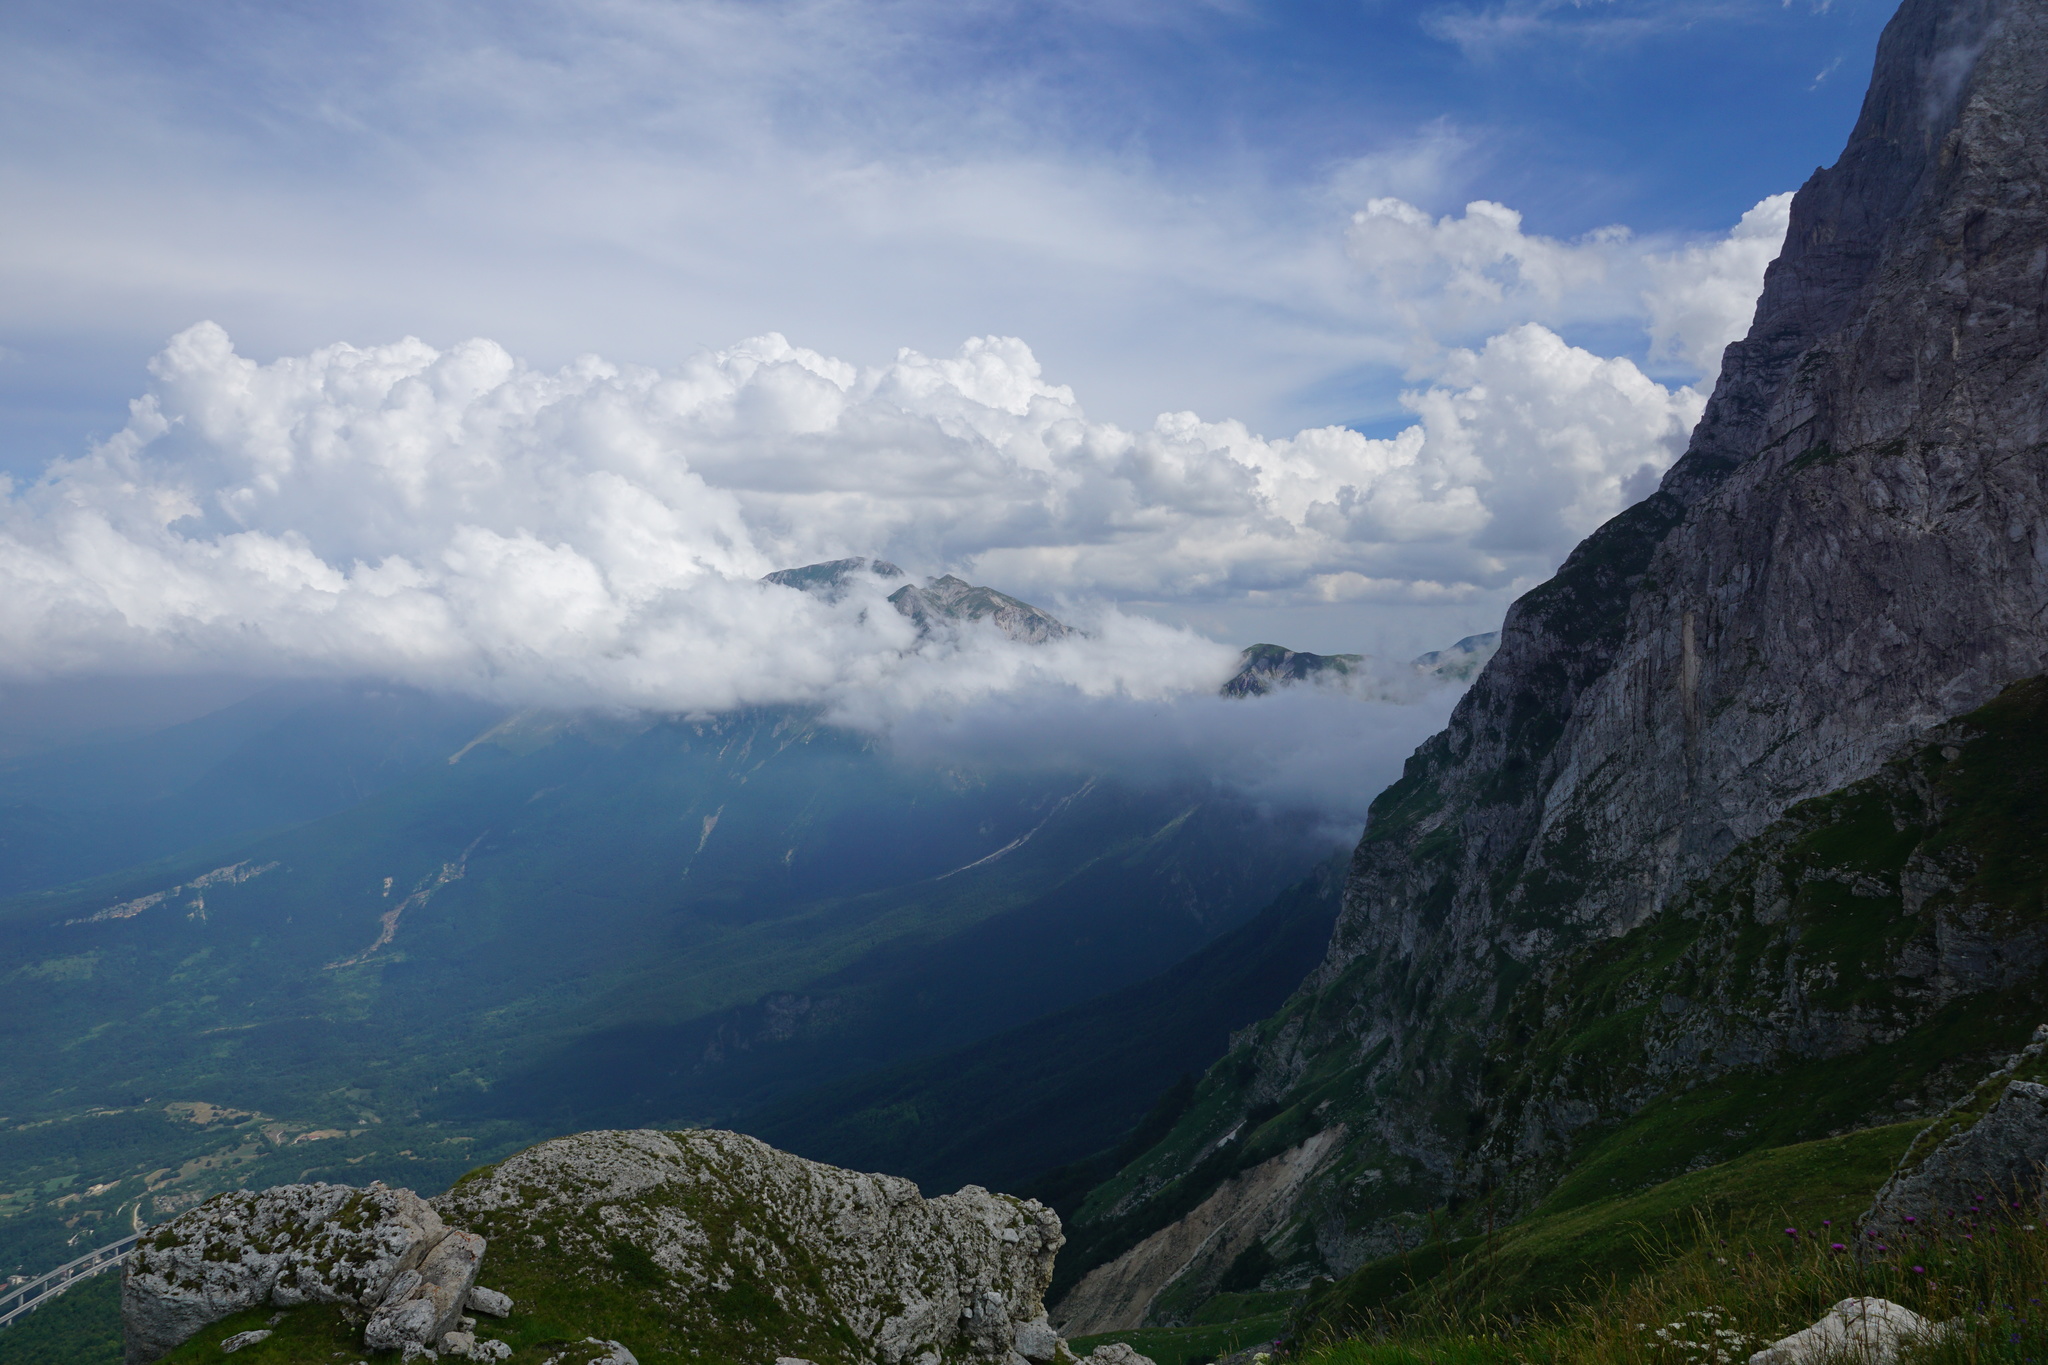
pixel 718 1240
pixel 1988 1148
pixel 424 1305
pixel 383 1251
pixel 289 1245
pixel 1852 552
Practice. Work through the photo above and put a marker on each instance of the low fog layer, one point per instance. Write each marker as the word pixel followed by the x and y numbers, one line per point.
pixel 1311 748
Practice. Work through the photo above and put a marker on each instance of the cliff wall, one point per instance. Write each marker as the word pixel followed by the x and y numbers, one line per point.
pixel 1853 550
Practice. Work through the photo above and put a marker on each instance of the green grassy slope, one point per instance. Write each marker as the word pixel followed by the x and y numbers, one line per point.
pixel 1569 1252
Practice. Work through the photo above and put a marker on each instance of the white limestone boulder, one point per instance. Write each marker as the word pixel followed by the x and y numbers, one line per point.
pixel 1868 1331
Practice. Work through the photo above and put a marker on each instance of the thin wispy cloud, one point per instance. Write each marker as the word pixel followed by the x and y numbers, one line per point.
pixel 1487 33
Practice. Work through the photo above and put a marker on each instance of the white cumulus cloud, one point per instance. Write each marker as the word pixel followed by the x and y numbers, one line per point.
pixel 1703 296
pixel 456 518
pixel 1480 269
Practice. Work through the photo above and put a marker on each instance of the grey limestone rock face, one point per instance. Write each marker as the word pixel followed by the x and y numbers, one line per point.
pixel 396 1326
pixel 1037 1342
pixel 1989 1148
pixel 1853 550
pixel 841 1265
pixel 288 1245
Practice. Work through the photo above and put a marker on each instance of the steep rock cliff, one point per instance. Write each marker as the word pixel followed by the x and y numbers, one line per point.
pixel 1853 550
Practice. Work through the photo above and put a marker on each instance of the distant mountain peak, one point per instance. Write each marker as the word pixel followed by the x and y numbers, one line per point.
pixel 945 598
pixel 1262 668
pixel 1462 661
pixel 829 580
pixel 955 599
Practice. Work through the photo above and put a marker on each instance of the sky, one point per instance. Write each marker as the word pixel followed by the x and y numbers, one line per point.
pixel 503 346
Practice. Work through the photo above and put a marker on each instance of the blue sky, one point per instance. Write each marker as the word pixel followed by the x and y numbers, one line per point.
pixel 1177 208
pixel 296 171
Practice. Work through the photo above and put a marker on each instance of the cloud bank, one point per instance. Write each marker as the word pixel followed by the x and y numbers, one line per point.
pixel 455 518
pixel 595 534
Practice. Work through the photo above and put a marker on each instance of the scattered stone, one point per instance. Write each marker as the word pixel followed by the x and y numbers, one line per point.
pixel 793 1360
pixel 490 1303
pixel 1866 1331
pixel 1115 1353
pixel 615 1354
pixel 241 1339
pixel 1036 1342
